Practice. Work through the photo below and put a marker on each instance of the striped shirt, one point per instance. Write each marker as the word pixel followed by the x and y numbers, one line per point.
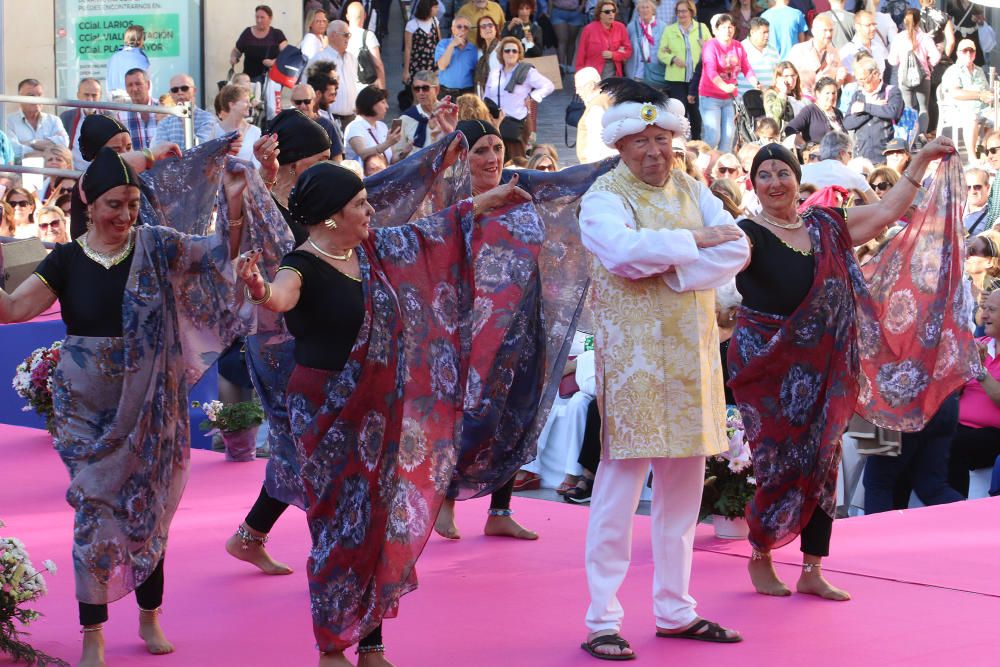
pixel 762 63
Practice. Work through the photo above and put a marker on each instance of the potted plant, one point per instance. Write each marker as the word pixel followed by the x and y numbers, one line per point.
pixel 33 382
pixel 238 424
pixel 729 483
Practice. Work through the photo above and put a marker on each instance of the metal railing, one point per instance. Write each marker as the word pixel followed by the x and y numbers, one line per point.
pixel 44 171
pixel 183 110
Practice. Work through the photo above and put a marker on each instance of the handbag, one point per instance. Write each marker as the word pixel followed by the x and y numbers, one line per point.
pixel 367 74
pixel 512 129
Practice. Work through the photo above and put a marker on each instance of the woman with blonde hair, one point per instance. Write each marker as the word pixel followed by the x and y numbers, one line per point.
pixel 730 194
pixel 314 39
pixel 472 107
pixel 53 226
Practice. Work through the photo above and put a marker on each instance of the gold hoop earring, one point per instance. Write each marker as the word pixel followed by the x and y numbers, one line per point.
pixel 330 224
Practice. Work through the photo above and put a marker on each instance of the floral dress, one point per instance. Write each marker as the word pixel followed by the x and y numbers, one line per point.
pixel 422 49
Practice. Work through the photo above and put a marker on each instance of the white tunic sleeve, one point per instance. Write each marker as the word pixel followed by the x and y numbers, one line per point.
pixel 608 230
pixel 714 266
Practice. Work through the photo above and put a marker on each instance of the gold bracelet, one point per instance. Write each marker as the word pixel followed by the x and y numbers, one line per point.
pixel 236 222
pixel 150 160
pixel 908 176
pixel 263 299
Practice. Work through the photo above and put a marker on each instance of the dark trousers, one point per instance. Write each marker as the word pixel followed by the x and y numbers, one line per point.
pixel 265 512
pixel 679 91
pixel 454 92
pixel 148 594
pixel 590 451
pixel 500 499
pixel 373 638
pixel 923 462
pixel 815 537
pixel 972 449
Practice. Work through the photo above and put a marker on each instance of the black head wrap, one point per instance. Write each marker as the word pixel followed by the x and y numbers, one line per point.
pixel 775 152
pixel 107 170
pixel 322 190
pixel 298 136
pixel 96 131
pixel 474 130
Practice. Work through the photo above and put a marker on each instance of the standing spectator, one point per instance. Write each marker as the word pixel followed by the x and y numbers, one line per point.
pixel 141 125
pixel 914 54
pixel 304 99
pixel 568 17
pixel 818 58
pixel 89 90
pixel 233 103
pixel 170 129
pixel 367 135
pixel 743 12
pixel 456 59
pixel 644 32
pixel 783 100
pixel 886 24
pixel 835 151
pixel 722 59
pixel 525 28
pixel 874 110
pixel 816 120
pixel 867 39
pixel 937 24
pixel 788 26
pixel 604 43
pixel 125 59
pixel 680 52
pixel 762 56
pixel 22 203
pixel 474 10
pixel 977 182
pixel 987 38
pixel 30 128
pixel 362 38
pixel 842 21
pixel 966 93
pixel 420 127
pixel 486 44
pixel 260 44
pixel 56 157
pixel 510 86
pixel 322 76
pixel 961 13
pixel 314 39
pixel 339 34
pixel 421 36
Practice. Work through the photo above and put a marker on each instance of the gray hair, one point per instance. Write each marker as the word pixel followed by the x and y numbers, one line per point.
pixel 978 171
pixel 833 144
pixel 427 76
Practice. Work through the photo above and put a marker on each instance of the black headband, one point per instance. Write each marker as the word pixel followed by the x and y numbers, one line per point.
pixel 298 136
pixel 107 170
pixel 322 190
pixel 97 130
pixel 474 130
pixel 775 151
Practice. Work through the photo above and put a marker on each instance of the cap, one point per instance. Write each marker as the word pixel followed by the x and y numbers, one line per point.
pixel 895 145
pixel 966 44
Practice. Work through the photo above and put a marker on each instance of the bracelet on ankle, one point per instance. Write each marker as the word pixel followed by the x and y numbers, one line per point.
pixel 496 512
pixel 809 567
pixel 760 555
pixel 154 612
pixel 374 648
pixel 247 538
pixel 96 628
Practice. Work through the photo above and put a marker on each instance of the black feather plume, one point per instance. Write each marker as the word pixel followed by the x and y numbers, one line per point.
pixel 629 90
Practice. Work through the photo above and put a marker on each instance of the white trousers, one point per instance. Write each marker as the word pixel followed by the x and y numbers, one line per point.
pixel 677 486
pixel 561 439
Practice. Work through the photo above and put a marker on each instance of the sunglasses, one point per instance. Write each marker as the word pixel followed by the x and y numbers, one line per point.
pixel 180 89
pixel 462 27
pixel 977 187
pixel 45 225
pixel 881 186
pixel 20 203
pixel 487 25
pixel 545 167
pixel 812 157
pixel 609 11
pixel 994 150
pixel 421 89
pixel 302 102
pixel 728 170
pixel 511 51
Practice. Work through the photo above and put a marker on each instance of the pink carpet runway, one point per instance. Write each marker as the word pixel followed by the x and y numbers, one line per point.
pixel 925 583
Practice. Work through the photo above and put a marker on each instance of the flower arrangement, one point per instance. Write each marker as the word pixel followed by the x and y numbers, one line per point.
pixel 231 418
pixel 33 382
pixel 20 583
pixel 729 483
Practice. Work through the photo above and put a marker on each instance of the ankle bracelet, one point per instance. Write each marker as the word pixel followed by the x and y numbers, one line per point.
pixel 374 648
pixel 249 539
pixel 760 555
pixel 96 628
pixel 809 567
pixel 154 612
pixel 496 512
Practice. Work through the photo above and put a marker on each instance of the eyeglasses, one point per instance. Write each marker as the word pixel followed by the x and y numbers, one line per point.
pixel 21 203
pixel 545 167
pixel 299 103
pixel 609 11
pixel 343 34
pixel 422 89
pixel 881 186
pixel 812 157
pixel 179 89
pixel 994 150
pixel 513 50
pixel 868 25
pixel 45 225
pixel 978 187
pixel 727 170
pixel 484 26
pixel 461 27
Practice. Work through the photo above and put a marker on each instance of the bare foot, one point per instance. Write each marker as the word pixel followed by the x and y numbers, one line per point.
pixel 813 583
pixel 765 580
pixel 336 659
pixel 608 649
pixel 506 526
pixel 254 553
pixel 445 524
pixel 93 649
pixel 151 633
pixel 373 660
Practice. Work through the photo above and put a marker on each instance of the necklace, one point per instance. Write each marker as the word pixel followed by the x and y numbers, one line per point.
pixel 783 225
pixel 108 259
pixel 340 258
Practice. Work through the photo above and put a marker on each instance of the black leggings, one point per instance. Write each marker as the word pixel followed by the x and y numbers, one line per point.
pixel 265 512
pixel 148 594
pixel 816 534
pixel 500 500
pixel 373 638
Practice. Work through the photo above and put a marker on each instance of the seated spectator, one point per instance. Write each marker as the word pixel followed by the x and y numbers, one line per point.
pixel 810 153
pixel 170 129
pixel 896 155
pixel 314 39
pixel 367 134
pixel 974 215
pixel 304 99
pixel 456 59
pixel 474 10
pixel 542 161
pixel 835 150
pixel 874 110
pixel 362 37
pixel 977 440
pixel 818 58
pixel 56 157
pixel 604 43
pixel 22 221
pixel 52 225
pixel 992 146
pixel 966 93
pixel 472 107
pixel 233 103
pixel 141 125
pixel 31 129
pixel 512 87
pixel 882 179
pixel 767 131
pixel 375 163
pixel 129 57
pixel 820 118
pixel 525 28
pixel 783 100
pixel 867 40
pixel 729 166
pixel 6 220
pixel 420 124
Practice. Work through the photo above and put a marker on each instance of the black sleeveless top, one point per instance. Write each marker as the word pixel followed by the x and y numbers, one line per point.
pixel 778 277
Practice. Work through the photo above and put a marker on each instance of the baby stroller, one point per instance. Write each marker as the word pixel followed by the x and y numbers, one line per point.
pixel 748 110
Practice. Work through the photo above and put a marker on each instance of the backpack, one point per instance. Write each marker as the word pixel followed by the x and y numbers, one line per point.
pixel 911 73
pixel 367 73
pixel 895 9
pixel 574 112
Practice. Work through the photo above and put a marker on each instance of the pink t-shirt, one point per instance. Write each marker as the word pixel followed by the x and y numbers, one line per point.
pixel 723 61
pixel 975 409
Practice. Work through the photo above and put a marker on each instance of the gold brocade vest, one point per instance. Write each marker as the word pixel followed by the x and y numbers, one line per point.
pixel 659 371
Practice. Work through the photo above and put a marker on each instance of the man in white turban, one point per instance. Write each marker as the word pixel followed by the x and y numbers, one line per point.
pixel 661 243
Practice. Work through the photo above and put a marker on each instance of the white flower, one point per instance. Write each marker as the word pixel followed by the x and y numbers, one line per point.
pixel 49 565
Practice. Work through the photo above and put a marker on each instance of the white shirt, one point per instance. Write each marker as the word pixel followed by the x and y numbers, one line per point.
pixel 310 46
pixel 514 104
pixel 370 136
pixel 347 71
pixel 608 230
pixel 878 51
pixel 22 135
pixel 834 172
pixel 354 43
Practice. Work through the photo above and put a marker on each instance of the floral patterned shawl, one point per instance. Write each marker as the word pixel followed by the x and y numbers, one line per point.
pixel 121 402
